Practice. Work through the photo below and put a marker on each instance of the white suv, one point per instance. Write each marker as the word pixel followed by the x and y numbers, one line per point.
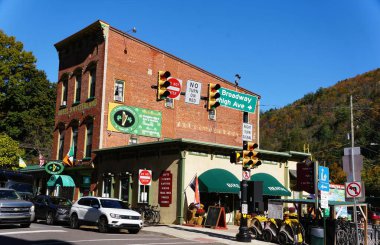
pixel 106 213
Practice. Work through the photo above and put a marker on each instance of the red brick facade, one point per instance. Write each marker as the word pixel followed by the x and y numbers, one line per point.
pixel 118 56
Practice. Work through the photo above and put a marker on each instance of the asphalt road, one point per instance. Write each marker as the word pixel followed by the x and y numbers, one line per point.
pixel 40 233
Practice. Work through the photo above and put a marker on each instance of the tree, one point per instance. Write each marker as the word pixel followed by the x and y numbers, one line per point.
pixel 27 98
pixel 337 175
pixel 9 152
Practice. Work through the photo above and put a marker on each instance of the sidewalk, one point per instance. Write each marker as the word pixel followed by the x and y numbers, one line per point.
pixel 202 234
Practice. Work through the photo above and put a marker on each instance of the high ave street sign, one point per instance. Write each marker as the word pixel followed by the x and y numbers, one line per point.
pixel 237 101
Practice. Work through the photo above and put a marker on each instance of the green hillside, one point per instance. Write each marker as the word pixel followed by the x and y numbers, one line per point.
pixel 321 122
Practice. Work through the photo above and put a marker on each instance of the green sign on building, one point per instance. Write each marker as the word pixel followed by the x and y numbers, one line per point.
pixel 237 101
pixel 134 120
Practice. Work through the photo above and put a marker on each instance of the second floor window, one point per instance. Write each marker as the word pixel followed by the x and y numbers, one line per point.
pixel 78 84
pixel 75 139
pixel 64 92
pixel 89 131
pixel 92 83
pixel 119 91
pixel 61 143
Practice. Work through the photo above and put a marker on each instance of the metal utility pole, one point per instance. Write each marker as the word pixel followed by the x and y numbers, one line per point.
pixel 243 235
pixel 353 170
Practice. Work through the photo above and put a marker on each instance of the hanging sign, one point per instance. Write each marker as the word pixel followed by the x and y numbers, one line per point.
pixel 54 167
pixel 193 92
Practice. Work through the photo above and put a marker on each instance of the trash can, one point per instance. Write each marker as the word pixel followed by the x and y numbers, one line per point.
pixel 317 236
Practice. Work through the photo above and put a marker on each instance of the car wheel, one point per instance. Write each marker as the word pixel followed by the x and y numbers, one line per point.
pixel 103 225
pixel 50 218
pixel 133 231
pixel 27 225
pixel 74 222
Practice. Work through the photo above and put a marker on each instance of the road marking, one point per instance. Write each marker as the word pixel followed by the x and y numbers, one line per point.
pixel 26 232
pixel 131 239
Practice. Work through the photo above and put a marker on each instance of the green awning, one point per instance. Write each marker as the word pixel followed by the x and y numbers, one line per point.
pixel 271 186
pixel 61 180
pixel 219 181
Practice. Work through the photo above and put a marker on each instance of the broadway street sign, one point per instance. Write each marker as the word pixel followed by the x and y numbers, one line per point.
pixel 237 101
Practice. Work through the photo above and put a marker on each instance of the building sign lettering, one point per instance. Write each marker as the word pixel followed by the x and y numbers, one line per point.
pixel 165 189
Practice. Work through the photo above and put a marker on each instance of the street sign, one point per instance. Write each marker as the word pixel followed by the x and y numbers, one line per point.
pixel 305 176
pixel 145 177
pixel 323 179
pixel 238 101
pixel 353 189
pixel 193 92
pixel 324 199
pixel 247 132
pixel 174 88
pixel 246 175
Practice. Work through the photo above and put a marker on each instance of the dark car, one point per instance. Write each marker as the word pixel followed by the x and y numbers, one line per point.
pixel 52 209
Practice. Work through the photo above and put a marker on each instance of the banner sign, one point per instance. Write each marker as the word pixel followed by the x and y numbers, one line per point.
pixel 134 120
pixel 305 176
pixel 165 189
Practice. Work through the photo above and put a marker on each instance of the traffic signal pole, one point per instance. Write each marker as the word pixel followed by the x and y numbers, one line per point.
pixel 243 235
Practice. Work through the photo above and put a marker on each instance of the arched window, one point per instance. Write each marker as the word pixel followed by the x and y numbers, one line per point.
pixel 78 84
pixel 61 141
pixel 91 68
pixel 74 140
pixel 89 132
pixel 65 80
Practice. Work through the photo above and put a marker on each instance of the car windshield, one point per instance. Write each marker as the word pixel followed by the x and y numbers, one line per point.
pixel 20 187
pixel 60 201
pixel 9 194
pixel 108 203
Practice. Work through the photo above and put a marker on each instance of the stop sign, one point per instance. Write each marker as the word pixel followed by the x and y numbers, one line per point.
pixel 145 177
pixel 174 88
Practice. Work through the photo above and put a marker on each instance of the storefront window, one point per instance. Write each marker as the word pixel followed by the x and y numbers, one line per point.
pixel 124 189
pixel 107 185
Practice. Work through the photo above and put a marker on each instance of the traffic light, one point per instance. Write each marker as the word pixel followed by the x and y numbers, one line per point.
pixel 213 94
pixel 162 85
pixel 235 157
pixel 250 156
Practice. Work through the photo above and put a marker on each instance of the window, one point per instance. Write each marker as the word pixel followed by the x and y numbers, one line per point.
pixel 107 184
pixel 89 130
pixel 212 115
pixel 78 84
pixel 75 139
pixel 119 91
pixel 92 83
pixel 85 202
pixel 64 92
pixel 61 143
pixel 169 103
pixel 124 189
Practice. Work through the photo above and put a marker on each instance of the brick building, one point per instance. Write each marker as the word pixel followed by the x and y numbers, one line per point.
pixel 107 109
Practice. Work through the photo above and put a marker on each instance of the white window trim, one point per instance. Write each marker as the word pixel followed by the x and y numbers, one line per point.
pixel 119 98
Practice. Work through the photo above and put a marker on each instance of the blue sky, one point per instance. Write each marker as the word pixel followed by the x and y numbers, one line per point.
pixel 281 49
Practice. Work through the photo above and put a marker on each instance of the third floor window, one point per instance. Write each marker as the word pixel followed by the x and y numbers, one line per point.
pixel 78 84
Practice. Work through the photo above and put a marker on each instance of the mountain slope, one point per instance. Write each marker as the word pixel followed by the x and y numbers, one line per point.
pixel 321 120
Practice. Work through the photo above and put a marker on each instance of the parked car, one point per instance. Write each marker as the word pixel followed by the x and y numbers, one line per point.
pixel 52 209
pixel 106 213
pixel 14 210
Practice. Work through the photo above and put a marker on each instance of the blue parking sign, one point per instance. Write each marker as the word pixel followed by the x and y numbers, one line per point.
pixel 323 179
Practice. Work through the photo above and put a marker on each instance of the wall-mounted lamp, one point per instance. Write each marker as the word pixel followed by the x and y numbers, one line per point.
pixel 134 30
